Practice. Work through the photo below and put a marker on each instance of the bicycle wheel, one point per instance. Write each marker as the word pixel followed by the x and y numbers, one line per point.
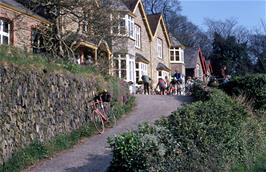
pixel 98 121
pixel 111 122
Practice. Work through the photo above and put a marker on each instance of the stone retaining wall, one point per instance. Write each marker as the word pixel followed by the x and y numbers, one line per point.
pixel 37 105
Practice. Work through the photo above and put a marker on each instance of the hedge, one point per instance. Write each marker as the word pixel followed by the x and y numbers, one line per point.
pixel 251 86
pixel 213 135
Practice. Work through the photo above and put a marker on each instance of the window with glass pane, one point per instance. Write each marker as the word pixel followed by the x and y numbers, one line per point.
pixel 124 74
pixel 160 74
pixel 172 55
pixel 5 26
pixel 130 26
pixel 4 32
pixel 123 64
pixel 177 55
pixel 37 41
pixel 5 40
pixel 117 73
pixel 116 64
pixel 137 36
pixel 137 65
pixel 122 26
pixel 160 47
pixel 137 76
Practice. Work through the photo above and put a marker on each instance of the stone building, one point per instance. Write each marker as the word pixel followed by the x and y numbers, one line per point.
pixel 145 49
pixel 141 44
pixel 177 56
pixel 196 65
pixel 17 25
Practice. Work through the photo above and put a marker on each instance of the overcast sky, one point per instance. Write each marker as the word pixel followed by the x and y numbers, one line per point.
pixel 249 13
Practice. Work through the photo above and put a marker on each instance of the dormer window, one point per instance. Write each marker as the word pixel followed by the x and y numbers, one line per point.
pixel 4 32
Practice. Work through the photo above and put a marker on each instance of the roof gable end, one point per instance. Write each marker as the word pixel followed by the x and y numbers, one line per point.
pixel 155 20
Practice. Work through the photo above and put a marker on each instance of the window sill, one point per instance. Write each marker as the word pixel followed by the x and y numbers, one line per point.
pixel 138 48
pixel 177 62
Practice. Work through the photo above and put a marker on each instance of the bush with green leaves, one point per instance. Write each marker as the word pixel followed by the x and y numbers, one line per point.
pixel 252 86
pixel 200 91
pixel 205 136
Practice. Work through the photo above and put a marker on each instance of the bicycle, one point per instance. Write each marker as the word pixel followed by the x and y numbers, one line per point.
pixel 102 116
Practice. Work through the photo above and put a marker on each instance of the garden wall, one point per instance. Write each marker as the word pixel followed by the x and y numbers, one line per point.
pixel 37 105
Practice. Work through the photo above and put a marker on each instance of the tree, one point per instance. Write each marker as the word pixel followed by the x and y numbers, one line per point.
pixel 229 52
pixel 72 20
pixel 162 6
pixel 257 49
pixel 188 33
pixel 227 28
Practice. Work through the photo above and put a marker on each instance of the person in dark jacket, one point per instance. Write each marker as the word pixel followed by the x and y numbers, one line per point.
pixel 146 82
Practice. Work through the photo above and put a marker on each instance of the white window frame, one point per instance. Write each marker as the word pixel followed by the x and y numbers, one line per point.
pixel 137 36
pixel 119 26
pixel 2 33
pixel 180 53
pixel 120 57
pixel 160 48
pixel 142 70
pixel 163 74
pixel 130 67
pixel 130 26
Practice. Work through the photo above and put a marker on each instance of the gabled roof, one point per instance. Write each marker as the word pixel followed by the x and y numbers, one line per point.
pixel 155 20
pixel 131 4
pixel 191 55
pixel 17 7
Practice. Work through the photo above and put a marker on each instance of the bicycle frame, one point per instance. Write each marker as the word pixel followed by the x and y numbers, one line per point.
pixel 96 109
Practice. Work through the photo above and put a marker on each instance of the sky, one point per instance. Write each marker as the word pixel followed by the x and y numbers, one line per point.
pixel 248 13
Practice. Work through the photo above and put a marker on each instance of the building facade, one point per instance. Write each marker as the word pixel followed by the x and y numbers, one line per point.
pixel 145 47
pixel 196 65
pixel 141 44
pixel 17 25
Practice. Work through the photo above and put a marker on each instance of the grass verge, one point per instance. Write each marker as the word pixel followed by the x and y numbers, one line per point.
pixel 38 151
pixel 19 57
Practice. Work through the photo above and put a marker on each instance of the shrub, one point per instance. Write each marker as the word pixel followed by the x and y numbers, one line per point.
pixel 205 136
pixel 253 86
pixel 200 91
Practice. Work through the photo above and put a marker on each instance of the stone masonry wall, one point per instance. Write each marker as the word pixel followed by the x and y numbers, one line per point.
pixel 37 105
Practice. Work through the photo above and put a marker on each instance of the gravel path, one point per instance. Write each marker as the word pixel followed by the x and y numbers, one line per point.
pixel 93 154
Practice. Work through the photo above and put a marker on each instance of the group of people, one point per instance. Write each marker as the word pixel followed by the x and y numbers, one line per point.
pixel 165 85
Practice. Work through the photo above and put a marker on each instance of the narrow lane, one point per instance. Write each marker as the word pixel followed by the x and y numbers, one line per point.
pixel 93 154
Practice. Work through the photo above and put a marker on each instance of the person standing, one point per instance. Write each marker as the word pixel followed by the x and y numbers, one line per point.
pixel 162 85
pixel 146 82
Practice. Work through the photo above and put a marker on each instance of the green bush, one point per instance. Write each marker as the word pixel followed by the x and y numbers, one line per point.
pixel 252 86
pixel 212 135
pixel 200 91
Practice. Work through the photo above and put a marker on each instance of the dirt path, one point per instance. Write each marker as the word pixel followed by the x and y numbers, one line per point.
pixel 93 155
